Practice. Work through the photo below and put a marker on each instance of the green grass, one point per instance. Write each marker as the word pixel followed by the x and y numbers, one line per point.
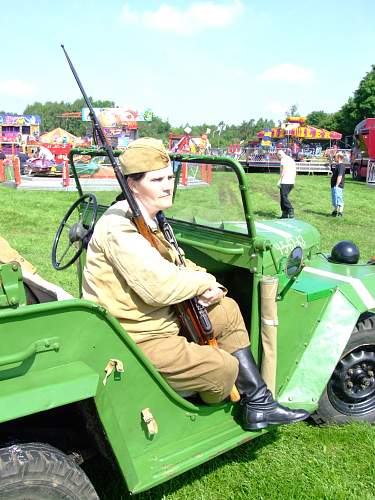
pixel 296 462
pixel 311 198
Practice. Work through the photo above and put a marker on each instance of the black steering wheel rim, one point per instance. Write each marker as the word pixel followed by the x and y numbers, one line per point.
pixel 79 233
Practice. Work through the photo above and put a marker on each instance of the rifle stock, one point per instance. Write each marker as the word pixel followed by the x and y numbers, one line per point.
pixel 192 315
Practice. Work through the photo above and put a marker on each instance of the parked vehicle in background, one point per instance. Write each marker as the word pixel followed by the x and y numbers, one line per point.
pixel 363 152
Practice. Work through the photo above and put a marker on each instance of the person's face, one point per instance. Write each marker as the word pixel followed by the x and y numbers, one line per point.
pixel 154 190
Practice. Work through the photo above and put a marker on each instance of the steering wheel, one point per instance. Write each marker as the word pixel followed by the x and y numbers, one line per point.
pixel 73 233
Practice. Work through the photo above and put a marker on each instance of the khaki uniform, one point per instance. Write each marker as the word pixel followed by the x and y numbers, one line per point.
pixel 8 254
pixel 139 284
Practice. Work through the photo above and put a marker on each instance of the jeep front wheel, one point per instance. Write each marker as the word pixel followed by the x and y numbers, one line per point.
pixel 39 471
pixel 350 392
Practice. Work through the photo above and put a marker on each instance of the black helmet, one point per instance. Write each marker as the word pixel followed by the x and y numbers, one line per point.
pixel 345 252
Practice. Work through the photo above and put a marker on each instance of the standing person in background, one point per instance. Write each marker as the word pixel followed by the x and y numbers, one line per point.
pixel 23 159
pixel 2 155
pixel 286 183
pixel 337 185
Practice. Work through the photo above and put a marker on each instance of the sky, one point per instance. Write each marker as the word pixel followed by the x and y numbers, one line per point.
pixel 190 62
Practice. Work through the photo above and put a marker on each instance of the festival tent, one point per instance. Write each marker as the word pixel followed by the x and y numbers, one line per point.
pixel 59 136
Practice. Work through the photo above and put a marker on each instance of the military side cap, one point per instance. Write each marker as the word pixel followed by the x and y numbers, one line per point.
pixel 144 155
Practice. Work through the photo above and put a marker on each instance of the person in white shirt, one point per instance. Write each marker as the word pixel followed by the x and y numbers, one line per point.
pixel 286 183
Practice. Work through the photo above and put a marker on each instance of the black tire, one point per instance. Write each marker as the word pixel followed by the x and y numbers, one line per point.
pixel 36 471
pixel 350 393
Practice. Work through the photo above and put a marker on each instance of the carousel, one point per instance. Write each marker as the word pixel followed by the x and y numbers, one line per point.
pixel 309 146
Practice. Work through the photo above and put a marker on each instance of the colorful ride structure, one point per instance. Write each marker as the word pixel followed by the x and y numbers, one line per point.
pixel 296 128
pixel 18 131
pixel 185 143
pixel 299 140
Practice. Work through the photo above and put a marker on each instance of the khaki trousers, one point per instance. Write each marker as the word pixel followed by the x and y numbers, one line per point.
pixel 191 367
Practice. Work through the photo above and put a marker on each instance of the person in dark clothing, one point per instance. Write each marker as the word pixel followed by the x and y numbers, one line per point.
pixel 2 155
pixel 337 185
pixel 23 159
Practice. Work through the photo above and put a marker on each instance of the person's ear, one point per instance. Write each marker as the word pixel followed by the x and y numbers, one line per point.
pixel 132 185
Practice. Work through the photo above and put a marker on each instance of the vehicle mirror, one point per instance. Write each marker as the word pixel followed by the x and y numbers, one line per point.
pixel 292 269
pixel 294 262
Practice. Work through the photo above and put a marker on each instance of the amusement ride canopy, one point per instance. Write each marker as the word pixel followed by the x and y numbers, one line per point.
pixel 296 127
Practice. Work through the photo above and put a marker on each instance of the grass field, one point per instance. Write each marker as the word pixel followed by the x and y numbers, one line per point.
pixel 296 462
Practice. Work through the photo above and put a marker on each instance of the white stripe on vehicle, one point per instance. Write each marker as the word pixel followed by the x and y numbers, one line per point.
pixel 271 229
pixel 356 283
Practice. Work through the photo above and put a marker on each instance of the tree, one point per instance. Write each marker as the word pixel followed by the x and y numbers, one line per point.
pixel 156 128
pixel 292 111
pixel 358 107
pixel 50 112
pixel 320 119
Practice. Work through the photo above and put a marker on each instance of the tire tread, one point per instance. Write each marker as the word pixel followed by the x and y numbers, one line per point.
pixel 42 462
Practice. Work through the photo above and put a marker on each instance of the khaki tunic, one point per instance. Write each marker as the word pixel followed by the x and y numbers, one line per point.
pixel 139 284
pixel 131 279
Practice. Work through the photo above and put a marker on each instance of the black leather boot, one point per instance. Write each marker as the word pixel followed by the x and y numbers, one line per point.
pixel 291 214
pixel 284 215
pixel 259 409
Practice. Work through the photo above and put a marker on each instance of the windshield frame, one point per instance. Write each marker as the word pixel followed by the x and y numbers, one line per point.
pixel 233 164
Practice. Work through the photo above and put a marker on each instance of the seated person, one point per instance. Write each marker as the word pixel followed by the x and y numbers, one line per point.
pixel 140 284
pixel 9 254
pixel 37 289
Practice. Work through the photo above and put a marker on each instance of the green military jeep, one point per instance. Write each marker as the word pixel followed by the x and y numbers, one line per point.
pixel 74 384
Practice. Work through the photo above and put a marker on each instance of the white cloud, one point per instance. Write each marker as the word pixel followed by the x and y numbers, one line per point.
pixel 288 72
pixel 198 16
pixel 16 88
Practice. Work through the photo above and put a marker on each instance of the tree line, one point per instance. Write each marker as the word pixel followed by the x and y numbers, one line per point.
pixel 358 106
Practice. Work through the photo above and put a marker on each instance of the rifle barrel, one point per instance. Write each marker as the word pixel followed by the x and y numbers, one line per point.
pixel 98 129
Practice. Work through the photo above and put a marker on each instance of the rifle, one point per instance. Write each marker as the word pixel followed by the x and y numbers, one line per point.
pixel 193 316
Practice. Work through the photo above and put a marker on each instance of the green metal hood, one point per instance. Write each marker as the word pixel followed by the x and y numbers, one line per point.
pixel 356 282
pixel 284 235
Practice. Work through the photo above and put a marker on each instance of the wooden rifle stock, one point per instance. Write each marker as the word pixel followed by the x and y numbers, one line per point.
pixel 192 315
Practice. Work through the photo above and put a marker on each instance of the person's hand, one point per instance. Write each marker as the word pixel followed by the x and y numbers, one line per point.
pixel 210 296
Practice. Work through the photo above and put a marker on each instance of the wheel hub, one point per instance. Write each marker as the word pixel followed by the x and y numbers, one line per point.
pixel 77 232
pixel 351 389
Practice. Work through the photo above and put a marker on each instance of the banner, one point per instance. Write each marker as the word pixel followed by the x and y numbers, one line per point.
pixel 117 117
pixel 18 120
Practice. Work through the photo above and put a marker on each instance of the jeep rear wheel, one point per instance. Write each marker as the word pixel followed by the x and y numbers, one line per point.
pixel 38 471
pixel 350 392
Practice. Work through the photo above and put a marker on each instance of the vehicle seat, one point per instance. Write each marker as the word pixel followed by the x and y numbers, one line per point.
pixel 39 290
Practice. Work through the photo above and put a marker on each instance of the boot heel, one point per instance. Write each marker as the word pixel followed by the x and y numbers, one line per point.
pixel 255 427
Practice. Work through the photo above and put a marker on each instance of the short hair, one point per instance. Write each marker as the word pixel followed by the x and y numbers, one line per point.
pixel 136 177
pixel 340 154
